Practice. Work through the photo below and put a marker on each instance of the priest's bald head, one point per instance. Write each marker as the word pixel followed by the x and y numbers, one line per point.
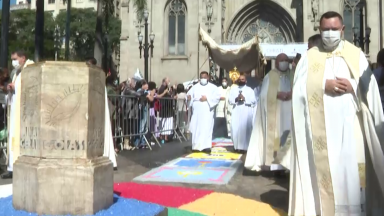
pixel 242 80
pixel 282 62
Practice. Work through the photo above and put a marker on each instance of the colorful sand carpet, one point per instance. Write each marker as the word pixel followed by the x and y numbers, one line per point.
pixel 197 168
pixel 196 202
pixel 222 142
pixel 133 199
pixel 195 171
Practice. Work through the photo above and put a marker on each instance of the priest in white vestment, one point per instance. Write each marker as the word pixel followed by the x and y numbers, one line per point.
pixel 269 144
pixel 14 98
pixel 203 98
pixel 242 100
pixel 109 148
pixel 220 128
pixel 257 91
pixel 337 165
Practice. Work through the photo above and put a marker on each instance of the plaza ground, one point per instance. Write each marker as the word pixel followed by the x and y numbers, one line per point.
pixel 265 187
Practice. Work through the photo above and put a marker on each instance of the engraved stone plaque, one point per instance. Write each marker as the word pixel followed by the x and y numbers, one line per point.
pixel 62 110
pixel 61 169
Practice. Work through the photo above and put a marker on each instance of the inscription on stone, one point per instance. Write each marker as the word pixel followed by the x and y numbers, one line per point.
pixel 30 140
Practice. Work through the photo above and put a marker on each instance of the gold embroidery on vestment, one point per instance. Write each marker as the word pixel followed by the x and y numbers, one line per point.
pixel 316 100
pixel 326 182
pixel 320 144
pixel 362 174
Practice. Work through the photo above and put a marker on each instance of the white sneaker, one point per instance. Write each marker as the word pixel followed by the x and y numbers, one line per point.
pixel 126 144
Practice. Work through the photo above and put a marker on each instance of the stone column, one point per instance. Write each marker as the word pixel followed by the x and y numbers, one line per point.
pixel 61 170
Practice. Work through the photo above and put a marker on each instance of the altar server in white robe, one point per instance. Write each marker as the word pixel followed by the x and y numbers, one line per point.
pixel 257 91
pixel 109 148
pixel 203 98
pixel 269 144
pixel 220 126
pixel 242 99
pixel 337 163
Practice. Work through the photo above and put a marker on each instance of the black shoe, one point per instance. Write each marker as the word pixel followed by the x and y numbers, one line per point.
pixel 7 175
pixel 208 151
pixel 280 174
pixel 114 168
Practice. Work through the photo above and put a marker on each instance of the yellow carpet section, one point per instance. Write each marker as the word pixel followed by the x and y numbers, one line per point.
pixel 215 155
pixel 220 204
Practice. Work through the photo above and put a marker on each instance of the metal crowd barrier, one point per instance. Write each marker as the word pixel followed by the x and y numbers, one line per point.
pixel 135 120
pixel 129 117
pixel 3 129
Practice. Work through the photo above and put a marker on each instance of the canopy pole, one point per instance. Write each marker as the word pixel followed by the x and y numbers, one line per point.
pixel 198 51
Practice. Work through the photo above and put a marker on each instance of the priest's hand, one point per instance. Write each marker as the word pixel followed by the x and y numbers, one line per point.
pixel 288 96
pixel 203 98
pixel 281 95
pixel 347 84
pixel 189 97
pixel 11 87
pixel 335 87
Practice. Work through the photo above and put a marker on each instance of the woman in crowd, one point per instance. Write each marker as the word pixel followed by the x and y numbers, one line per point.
pixel 181 101
pixel 153 127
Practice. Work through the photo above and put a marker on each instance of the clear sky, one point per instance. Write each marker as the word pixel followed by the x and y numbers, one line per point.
pixel 13 2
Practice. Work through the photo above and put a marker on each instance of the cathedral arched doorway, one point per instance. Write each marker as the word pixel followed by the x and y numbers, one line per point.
pixel 264 18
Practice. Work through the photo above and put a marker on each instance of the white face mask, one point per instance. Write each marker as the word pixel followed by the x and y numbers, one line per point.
pixel 224 84
pixel 331 39
pixel 15 64
pixel 203 81
pixel 283 66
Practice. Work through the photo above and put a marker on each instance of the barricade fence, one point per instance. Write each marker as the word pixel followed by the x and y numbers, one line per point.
pixel 4 116
pixel 138 120
pixel 135 121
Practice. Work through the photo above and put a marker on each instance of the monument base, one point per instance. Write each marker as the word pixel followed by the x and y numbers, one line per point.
pixel 62 186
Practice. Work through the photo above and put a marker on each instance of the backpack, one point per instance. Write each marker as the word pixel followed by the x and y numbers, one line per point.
pixel 157 105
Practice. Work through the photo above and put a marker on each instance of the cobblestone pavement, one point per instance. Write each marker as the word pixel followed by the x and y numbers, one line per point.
pixel 265 187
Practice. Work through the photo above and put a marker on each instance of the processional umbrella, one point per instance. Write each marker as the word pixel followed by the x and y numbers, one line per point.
pixel 245 58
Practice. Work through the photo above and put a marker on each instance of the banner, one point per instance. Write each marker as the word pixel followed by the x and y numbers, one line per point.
pixel 272 50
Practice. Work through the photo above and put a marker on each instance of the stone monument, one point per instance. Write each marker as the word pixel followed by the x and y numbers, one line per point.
pixel 61 169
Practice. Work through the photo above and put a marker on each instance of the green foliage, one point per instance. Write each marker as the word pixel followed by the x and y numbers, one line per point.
pixel 140 6
pixel 82 30
pixel 22 32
